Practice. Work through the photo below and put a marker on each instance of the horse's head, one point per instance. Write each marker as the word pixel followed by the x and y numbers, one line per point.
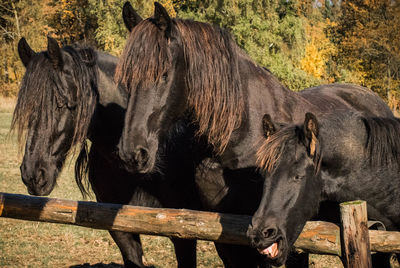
pixel 291 158
pixel 174 67
pixel 151 67
pixel 54 108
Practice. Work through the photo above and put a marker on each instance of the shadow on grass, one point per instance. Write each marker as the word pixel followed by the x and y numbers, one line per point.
pixel 97 265
pixel 101 265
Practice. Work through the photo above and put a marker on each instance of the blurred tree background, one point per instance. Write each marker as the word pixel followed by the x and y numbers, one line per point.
pixel 303 42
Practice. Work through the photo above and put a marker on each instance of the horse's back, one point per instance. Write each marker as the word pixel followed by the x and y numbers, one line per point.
pixel 348 96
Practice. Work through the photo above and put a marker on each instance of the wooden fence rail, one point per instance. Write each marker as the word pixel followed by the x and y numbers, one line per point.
pixel 317 237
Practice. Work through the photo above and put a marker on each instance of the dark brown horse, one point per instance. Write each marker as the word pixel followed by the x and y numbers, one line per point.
pixel 176 69
pixel 342 157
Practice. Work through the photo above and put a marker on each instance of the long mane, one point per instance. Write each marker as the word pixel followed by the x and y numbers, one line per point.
pixel 212 73
pixel 383 143
pixel 277 144
pixel 39 96
pixel 273 147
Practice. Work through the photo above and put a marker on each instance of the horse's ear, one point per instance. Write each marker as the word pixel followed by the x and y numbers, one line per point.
pixel 54 52
pixel 268 126
pixel 25 52
pixel 131 18
pixel 161 18
pixel 311 131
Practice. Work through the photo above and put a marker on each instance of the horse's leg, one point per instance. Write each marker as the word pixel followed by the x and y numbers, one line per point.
pixel 234 256
pixel 381 260
pixel 217 195
pixel 130 247
pixel 297 260
pixel 113 185
pixel 185 251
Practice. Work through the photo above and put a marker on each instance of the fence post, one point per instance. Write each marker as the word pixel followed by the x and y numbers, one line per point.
pixel 356 251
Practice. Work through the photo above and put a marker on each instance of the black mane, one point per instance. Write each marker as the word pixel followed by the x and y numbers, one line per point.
pixel 383 141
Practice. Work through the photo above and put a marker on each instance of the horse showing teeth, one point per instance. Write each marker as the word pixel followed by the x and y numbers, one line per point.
pixel 272 251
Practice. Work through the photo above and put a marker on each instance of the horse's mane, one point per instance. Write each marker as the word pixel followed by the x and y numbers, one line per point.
pixel 275 145
pixel 383 143
pixel 212 72
pixel 39 96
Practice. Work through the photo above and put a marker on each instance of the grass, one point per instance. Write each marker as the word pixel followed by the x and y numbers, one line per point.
pixel 6 104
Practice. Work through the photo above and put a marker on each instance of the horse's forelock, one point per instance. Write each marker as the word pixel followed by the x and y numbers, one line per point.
pixel 145 58
pixel 31 93
pixel 272 148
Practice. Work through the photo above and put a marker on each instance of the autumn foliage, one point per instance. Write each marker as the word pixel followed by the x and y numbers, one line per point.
pixel 303 42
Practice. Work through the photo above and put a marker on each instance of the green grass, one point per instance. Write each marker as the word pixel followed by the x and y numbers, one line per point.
pixel 35 244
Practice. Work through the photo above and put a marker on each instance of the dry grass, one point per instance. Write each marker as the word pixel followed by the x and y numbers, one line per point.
pixel 7 104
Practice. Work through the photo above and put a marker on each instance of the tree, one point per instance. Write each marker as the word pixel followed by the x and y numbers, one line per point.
pixel 72 21
pixel 19 19
pixel 111 33
pixel 369 42
pixel 320 50
pixel 271 32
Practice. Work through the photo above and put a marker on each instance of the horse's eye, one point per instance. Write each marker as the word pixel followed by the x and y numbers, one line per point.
pixel 297 177
pixel 165 76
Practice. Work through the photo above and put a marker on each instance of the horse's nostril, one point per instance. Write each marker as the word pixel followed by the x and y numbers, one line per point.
pixel 40 178
pixel 269 232
pixel 142 156
pixel 255 239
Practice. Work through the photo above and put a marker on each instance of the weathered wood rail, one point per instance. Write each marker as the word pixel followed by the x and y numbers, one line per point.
pixel 317 237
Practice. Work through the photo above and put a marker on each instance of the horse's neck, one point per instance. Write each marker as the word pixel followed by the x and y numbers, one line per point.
pixel 379 187
pixel 263 94
pixel 107 123
pixel 343 151
pixel 347 173
pixel 109 91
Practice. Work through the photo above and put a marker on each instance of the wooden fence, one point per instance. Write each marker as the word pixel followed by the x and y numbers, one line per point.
pixel 317 237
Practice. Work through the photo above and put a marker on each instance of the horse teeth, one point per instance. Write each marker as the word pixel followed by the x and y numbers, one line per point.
pixel 272 250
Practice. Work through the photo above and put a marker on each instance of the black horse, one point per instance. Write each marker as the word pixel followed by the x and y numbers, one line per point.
pixel 176 69
pixel 68 96
pixel 343 157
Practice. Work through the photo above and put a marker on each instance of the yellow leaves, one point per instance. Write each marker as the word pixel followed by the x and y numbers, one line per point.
pixel 394 100
pixel 67 7
pixel 319 50
pixel 313 62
